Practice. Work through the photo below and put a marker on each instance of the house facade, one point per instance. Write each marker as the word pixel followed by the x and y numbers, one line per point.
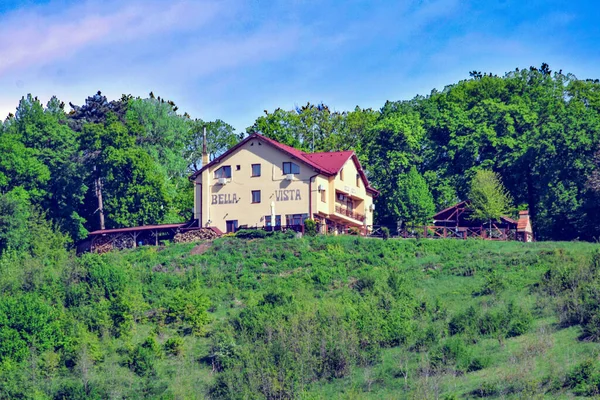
pixel 263 183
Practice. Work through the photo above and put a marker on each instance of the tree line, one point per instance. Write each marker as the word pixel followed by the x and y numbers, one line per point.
pixel 537 130
pixel 136 152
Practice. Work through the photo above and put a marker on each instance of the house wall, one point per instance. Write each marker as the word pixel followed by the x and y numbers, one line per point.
pixel 348 184
pixel 233 201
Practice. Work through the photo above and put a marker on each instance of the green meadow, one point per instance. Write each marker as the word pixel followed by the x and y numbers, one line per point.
pixel 281 317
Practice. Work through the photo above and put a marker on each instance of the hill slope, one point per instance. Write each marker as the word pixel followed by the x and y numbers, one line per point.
pixel 316 317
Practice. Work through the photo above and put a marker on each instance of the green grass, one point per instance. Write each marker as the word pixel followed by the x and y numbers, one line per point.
pixel 323 317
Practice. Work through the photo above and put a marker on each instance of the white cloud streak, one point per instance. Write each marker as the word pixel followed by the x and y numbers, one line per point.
pixel 31 38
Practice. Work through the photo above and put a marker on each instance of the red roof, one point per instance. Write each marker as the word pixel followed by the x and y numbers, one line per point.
pixel 523 220
pixel 332 161
pixel 326 163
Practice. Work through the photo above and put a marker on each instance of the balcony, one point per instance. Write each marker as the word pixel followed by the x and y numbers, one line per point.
pixel 349 213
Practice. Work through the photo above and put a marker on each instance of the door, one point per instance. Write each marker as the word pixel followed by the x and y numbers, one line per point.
pixel 231 226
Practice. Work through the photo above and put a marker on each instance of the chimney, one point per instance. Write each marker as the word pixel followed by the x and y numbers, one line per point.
pixel 524 226
pixel 204 151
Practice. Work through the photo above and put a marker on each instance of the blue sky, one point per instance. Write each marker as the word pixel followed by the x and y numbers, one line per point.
pixel 232 59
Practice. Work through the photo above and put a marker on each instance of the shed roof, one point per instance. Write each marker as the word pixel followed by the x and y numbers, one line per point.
pixel 137 228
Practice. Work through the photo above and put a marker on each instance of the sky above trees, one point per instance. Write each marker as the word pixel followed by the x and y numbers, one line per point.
pixel 231 60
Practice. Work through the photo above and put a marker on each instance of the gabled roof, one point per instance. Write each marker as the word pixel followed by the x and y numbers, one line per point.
pixel 522 223
pixel 463 207
pixel 332 161
pixel 326 163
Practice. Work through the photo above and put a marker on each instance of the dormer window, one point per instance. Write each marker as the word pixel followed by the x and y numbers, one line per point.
pixel 290 168
pixel 223 172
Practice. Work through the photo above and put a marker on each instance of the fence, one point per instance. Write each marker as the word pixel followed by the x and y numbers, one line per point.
pixel 441 232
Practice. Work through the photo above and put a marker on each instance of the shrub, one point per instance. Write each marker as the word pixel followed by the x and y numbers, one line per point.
pixel 584 378
pixel 506 321
pixel 251 234
pixel 494 284
pixel 385 232
pixel 187 306
pixel 141 361
pixel 310 227
pixel 152 344
pixel 174 346
pixel 578 301
pixel 354 231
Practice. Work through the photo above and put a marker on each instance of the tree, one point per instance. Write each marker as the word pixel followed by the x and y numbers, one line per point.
pixel 391 148
pixel 134 188
pixel 46 152
pixel 15 212
pixel 489 198
pixel 220 136
pixel 413 202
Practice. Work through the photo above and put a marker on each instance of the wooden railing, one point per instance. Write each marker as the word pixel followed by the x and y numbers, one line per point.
pixel 349 213
pixel 441 232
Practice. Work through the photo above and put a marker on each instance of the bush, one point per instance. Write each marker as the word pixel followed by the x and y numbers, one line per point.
pixel 174 346
pixel 251 234
pixel 578 300
pixel 141 361
pixel 310 227
pixel 584 378
pixel 385 232
pixel 506 321
pixel 354 231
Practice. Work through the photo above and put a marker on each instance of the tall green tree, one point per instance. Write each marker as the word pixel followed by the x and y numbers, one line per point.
pixel 489 199
pixel 391 149
pixel 133 188
pixel 55 181
pixel 412 202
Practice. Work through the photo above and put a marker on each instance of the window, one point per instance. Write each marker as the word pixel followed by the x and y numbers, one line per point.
pixel 341 197
pixel 357 180
pixel 269 223
pixel 237 167
pixel 323 196
pixel 296 219
pixel 231 226
pixel 223 172
pixel 290 168
pixel 342 174
pixel 256 196
pixel 255 169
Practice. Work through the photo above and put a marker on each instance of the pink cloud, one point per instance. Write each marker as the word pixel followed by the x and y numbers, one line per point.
pixel 31 37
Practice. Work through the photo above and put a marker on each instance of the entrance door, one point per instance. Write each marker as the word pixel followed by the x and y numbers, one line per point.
pixel 231 226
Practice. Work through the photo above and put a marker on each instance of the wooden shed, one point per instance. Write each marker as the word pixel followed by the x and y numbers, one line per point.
pixel 455 222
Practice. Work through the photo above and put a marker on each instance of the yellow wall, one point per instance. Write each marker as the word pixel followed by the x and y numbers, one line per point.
pixel 348 186
pixel 233 201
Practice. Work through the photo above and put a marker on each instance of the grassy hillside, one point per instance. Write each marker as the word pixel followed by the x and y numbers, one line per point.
pixel 323 317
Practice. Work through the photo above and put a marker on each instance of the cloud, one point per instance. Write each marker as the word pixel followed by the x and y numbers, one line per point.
pixel 32 37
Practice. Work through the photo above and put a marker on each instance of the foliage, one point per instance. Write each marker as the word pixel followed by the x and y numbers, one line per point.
pixel 489 199
pixel 412 202
pixel 310 227
pixel 385 232
pixel 287 317
pixel 250 234
pixel 578 298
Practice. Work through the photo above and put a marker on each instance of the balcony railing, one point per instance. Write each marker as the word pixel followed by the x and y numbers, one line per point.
pixel 349 213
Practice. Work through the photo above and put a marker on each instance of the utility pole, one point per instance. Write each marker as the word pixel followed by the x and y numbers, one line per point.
pixel 99 196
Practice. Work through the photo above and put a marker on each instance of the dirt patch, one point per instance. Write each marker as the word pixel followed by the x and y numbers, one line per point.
pixel 201 248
